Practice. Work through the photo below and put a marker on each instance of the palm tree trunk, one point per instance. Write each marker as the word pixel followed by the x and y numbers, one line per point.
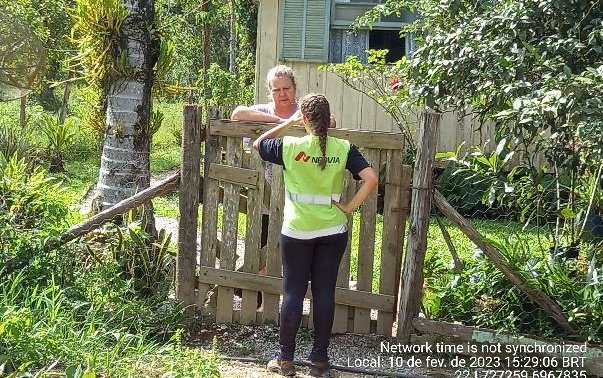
pixel 125 164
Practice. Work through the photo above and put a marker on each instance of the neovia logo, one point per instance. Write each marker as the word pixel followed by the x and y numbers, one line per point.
pixel 301 155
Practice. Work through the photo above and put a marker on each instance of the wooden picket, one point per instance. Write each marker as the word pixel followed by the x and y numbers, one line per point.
pixel 241 174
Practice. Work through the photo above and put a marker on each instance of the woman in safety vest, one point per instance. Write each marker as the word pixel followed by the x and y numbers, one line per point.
pixel 315 231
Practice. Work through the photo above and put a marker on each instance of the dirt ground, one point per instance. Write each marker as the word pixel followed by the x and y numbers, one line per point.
pixel 248 348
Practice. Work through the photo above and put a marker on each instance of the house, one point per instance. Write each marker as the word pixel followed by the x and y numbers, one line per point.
pixel 305 34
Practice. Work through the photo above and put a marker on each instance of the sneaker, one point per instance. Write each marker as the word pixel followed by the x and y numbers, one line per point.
pixel 281 367
pixel 320 369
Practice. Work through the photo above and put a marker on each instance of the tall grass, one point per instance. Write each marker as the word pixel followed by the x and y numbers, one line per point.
pixel 44 328
pixel 73 311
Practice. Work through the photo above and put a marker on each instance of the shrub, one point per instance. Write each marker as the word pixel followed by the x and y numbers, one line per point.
pixel 31 201
pixel 47 325
pixel 59 136
pixel 16 141
pixel 481 295
pixel 146 261
pixel 32 209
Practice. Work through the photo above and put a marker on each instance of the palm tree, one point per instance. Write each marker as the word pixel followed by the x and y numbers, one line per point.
pixel 125 164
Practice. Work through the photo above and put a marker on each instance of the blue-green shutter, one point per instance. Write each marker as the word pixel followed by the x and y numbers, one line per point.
pixel 305 30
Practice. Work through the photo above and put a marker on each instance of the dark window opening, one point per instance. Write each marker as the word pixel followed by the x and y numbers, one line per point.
pixel 390 40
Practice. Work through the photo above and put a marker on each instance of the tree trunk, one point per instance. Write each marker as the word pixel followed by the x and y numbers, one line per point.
pixel 233 39
pixel 125 164
pixel 65 102
pixel 206 55
pixel 22 114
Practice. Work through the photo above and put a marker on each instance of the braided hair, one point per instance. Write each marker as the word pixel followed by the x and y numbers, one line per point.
pixel 315 108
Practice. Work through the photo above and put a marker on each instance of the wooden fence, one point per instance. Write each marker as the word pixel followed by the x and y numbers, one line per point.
pixel 234 188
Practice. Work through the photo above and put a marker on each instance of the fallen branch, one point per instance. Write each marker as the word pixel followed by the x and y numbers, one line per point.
pixel 535 295
pixel 458 264
pixel 119 208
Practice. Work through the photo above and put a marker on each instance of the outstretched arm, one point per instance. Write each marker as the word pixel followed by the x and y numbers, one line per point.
pixel 369 184
pixel 278 130
pixel 246 113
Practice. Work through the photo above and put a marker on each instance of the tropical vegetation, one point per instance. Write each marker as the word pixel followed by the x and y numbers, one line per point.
pixel 104 305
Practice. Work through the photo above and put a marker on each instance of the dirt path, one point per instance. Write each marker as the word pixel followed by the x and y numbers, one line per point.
pixel 257 344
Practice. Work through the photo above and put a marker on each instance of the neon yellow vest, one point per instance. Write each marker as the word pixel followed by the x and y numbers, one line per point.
pixel 309 189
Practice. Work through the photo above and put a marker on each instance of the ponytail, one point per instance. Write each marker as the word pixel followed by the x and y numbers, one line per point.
pixel 316 108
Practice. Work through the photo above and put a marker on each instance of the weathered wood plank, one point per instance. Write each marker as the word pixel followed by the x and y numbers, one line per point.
pixel 234 175
pixel 340 321
pixel 420 212
pixel 391 249
pixel 188 205
pixel 209 219
pixel 267 56
pixel 350 109
pixel 273 256
pixel 367 116
pixel 366 248
pixel 273 285
pixel 310 324
pixel 458 264
pixel 316 81
pixel 252 239
pixel 80 229
pixel 334 92
pixel 360 138
pixel 230 223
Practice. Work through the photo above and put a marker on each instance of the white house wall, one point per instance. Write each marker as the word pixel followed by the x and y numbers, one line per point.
pixel 352 109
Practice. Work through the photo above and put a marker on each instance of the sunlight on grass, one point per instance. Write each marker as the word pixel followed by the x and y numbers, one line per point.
pixel 498 230
pixel 165 151
pixel 167 206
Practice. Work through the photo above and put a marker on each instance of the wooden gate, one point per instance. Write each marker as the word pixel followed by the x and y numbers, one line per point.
pixel 234 192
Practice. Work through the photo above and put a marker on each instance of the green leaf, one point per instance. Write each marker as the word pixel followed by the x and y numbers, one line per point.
pixel 567 213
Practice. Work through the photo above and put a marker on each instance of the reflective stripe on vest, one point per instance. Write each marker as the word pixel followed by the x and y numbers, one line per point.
pixel 315 199
pixel 310 189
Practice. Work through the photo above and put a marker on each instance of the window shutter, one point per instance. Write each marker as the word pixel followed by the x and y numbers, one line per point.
pixel 305 30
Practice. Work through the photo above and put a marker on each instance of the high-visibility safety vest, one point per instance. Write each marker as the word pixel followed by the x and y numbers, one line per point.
pixel 309 189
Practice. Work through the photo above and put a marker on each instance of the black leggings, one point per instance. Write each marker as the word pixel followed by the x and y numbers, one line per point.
pixel 319 259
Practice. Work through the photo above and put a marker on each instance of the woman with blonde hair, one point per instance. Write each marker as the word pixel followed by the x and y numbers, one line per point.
pixel 314 231
pixel 280 82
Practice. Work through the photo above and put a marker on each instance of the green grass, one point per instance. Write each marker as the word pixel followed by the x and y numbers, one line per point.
pixel 83 158
pixel 165 150
pixel 83 164
pixel 167 206
pixel 42 324
pixel 497 230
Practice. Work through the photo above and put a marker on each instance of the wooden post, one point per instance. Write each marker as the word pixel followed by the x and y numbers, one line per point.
pixel 412 284
pixel 535 295
pixel 189 207
pixel 395 214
